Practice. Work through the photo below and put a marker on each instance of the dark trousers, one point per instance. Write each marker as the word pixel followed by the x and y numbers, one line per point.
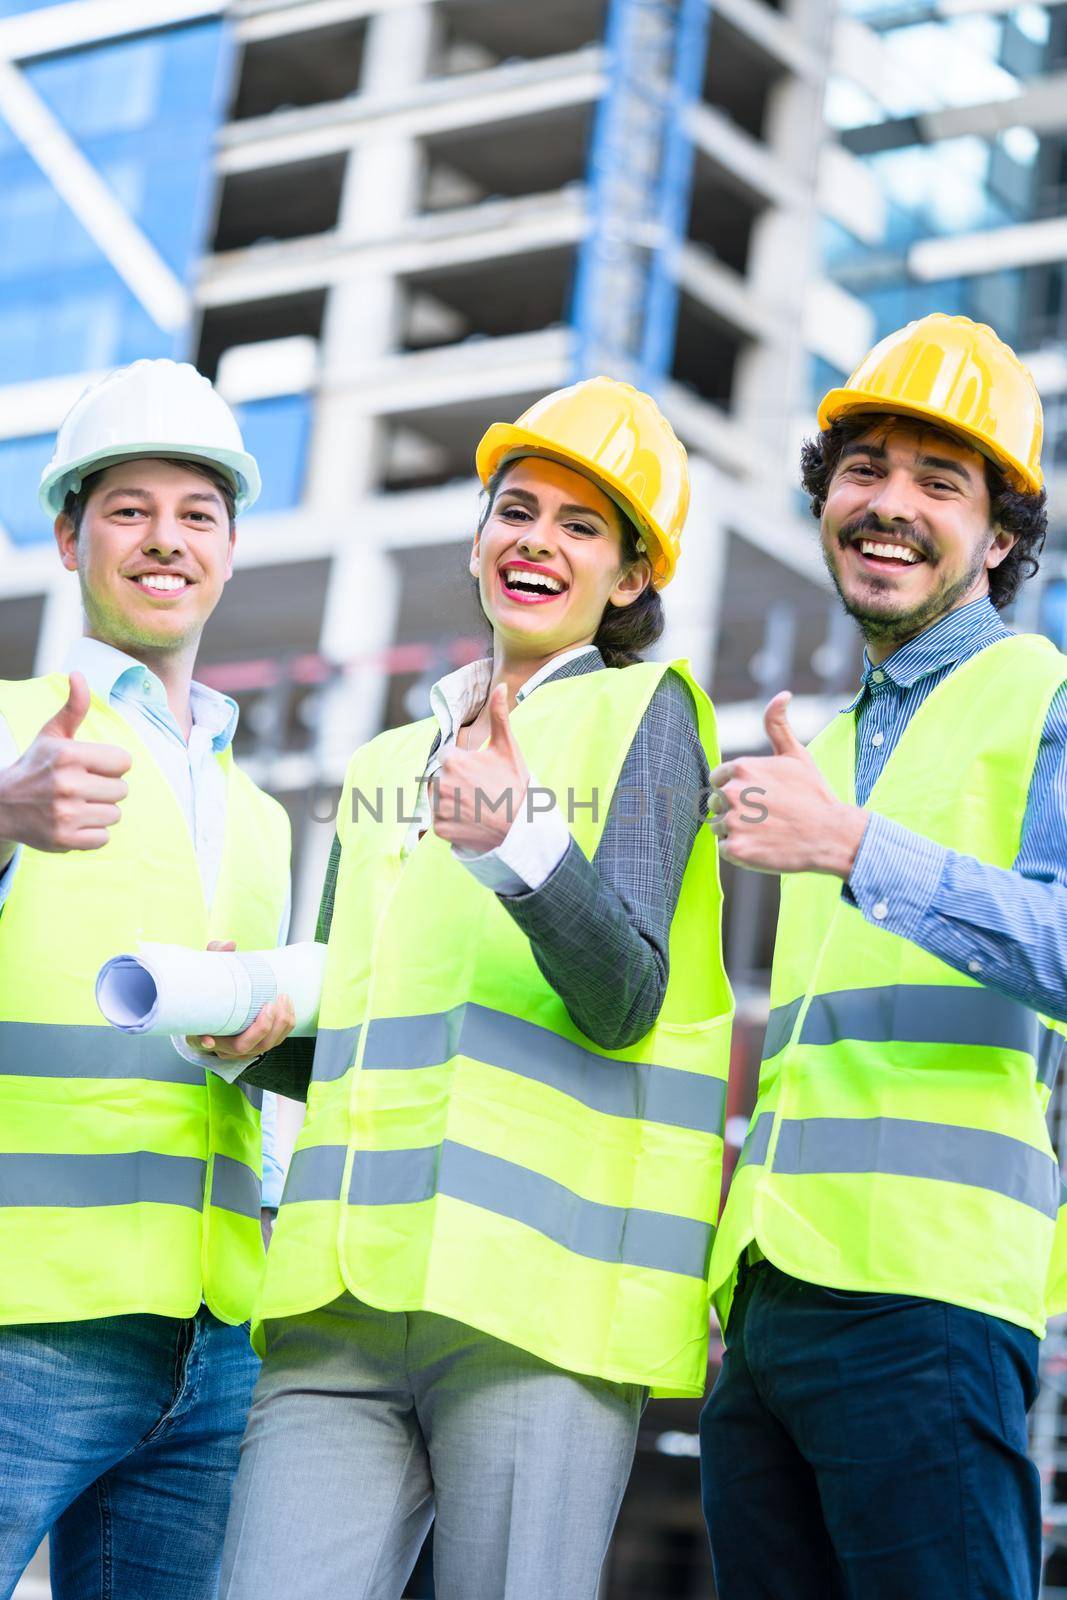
pixel 869 1447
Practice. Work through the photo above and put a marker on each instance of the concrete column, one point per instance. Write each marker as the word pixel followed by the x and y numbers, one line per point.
pixel 61 621
pixel 381 191
pixel 772 375
pixel 694 601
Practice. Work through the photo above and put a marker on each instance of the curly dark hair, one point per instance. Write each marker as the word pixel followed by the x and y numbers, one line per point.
pixel 625 632
pixel 1024 515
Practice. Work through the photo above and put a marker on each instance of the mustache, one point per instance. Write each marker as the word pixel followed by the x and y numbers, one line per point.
pixel 870 526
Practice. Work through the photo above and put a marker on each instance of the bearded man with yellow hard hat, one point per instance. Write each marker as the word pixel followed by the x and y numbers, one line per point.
pixel 882 1266
pixel 130 1187
pixel 495 1230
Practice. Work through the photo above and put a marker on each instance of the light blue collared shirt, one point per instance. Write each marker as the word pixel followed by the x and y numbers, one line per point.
pixel 190 768
pixel 1005 927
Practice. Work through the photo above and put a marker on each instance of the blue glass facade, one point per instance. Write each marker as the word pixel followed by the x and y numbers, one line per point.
pixel 21 464
pixel 1053 618
pixel 144 112
pixel 938 188
pixel 15 8
pixel 276 432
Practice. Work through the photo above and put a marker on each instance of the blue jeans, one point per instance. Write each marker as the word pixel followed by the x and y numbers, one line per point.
pixel 119 1437
pixel 869 1447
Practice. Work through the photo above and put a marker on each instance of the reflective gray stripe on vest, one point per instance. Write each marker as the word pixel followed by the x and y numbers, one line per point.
pixel 335 1051
pixel 131 1178
pixel 253 1095
pixel 1050 1050
pixel 315 1173
pixel 780 1026
pixel 667 1095
pixel 757 1141
pixel 909 1149
pixel 616 1234
pixel 915 1013
pixel 235 1187
pixel 54 1050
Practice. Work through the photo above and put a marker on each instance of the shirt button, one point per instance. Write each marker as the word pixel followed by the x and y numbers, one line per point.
pixel 877 738
pixel 880 911
pixel 974 966
pixel 877 677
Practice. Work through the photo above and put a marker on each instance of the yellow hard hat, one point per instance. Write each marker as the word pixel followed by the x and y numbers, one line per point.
pixel 958 374
pixel 618 436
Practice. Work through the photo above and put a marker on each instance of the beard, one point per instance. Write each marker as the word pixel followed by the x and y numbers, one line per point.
pixel 889 624
pixel 107 620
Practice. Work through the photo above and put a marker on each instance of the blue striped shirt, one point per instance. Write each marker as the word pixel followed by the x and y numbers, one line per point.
pixel 1005 927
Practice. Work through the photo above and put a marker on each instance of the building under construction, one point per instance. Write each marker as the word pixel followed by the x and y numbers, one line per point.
pixel 381 225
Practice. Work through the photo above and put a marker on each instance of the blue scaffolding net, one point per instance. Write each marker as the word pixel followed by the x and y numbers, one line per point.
pixel 640 182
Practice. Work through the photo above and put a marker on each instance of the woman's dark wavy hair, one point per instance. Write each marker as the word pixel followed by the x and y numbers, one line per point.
pixel 1013 511
pixel 625 632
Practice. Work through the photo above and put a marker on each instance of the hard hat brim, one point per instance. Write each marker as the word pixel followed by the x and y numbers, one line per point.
pixel 844 402
pixel 237 465
pixel 504 442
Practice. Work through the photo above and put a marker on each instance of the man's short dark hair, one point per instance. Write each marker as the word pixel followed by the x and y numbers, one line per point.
pixel 1012 510
pixel 77 499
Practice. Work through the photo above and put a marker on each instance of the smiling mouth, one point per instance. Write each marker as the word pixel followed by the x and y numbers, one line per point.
pixel 886 555
pixel 161 585
pixel 529 586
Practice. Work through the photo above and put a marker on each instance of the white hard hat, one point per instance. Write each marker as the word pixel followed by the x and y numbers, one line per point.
pixel 151 408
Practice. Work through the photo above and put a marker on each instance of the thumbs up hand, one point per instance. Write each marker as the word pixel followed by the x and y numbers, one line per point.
pixel 777 813
pixel 783 740
pixel 477 794
pixel 63 793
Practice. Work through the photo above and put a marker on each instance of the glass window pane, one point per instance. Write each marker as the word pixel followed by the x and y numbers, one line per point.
pixel 21 464
pixel 15 8
pixel 276 433
pixel 144 113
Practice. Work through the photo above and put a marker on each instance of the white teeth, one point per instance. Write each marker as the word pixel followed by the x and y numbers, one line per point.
pixel 165 582
pixel 513 575
pixel 892 552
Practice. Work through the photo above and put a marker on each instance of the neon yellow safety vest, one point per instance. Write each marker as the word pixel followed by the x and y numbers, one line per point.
pixel 899 1141
pixel 467 1150
pixel 129 1178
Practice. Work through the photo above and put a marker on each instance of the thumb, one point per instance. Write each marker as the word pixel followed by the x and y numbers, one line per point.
pixel 69 718
pixel 501 738
pixel 784 741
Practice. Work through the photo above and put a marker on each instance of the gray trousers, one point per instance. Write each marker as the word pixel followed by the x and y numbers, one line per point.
pixel 367 1425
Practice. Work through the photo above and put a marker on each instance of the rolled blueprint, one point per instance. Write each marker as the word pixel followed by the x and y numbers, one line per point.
pixel 169 989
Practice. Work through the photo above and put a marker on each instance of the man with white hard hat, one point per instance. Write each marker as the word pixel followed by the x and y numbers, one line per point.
pixel 129 1176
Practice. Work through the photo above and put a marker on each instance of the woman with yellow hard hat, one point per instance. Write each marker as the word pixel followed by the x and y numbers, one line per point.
pixel 494 1237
